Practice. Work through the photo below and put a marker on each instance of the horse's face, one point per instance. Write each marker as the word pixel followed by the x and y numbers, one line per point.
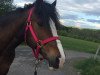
pixel 45 27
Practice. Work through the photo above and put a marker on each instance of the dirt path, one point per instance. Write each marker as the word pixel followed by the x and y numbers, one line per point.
pixel 24 63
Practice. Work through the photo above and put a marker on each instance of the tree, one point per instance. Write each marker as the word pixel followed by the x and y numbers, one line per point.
pixel 5 6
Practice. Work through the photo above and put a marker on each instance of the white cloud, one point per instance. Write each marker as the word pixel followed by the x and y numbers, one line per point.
pixel 78 25
pixel 62 21
pixel 21 3
pixel 97 26
pixel 90 7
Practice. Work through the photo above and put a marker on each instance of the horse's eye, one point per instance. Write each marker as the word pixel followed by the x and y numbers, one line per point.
pixel 40 23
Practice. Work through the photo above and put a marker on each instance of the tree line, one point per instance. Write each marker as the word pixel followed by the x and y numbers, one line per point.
pixel 84 34
pixel 6 6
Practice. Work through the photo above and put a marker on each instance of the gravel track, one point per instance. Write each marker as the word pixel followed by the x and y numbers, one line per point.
pixel 24 63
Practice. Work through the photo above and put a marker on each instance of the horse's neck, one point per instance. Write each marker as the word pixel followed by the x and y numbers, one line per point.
pixel 11 30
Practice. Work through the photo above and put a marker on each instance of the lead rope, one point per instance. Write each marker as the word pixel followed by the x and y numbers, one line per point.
pixel 37 62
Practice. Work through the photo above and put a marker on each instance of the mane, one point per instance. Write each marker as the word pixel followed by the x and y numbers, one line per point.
pixel 45 11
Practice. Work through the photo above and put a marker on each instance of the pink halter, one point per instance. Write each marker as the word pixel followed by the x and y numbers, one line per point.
pixel 39 43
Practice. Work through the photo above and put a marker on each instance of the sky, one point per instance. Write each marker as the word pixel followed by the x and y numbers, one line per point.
pixel 75 13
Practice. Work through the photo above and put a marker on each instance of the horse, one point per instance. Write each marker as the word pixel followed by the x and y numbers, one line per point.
pixel 15 29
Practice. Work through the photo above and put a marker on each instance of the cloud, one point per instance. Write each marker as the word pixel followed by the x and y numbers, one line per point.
pixel 69 16
pixel 89 7
pixel 93 21
pixel 21 3
pixel 67 22
pixel 84 25
pixel 97 26
pixel 28 0
pixel 73 10
pixel 84 1
pixel 79 24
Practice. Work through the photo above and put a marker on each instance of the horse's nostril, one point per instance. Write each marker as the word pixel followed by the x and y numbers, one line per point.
pixel 56 64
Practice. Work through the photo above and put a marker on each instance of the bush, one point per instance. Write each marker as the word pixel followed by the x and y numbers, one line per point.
pixel 89 67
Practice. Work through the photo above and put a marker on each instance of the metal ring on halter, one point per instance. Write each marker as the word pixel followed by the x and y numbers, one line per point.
pixel 29 23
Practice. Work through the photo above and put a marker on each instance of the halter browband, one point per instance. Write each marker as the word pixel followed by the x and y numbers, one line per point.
pixel 39 43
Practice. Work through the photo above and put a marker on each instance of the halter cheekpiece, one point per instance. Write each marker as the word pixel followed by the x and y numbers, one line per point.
pixel 39 43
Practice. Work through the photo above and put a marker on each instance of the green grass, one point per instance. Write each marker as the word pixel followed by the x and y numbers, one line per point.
pixel 88 67
pixel 79 45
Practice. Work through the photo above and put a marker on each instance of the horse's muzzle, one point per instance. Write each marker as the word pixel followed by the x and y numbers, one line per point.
pixel 54 64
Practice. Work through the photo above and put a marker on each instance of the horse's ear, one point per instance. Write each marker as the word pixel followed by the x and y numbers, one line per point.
pixel 54 3
pixel 39 1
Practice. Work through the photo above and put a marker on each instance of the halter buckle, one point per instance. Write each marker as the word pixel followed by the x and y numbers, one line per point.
pixel 39 43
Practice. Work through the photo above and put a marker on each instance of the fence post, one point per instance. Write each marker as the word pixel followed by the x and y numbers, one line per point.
pixel 96 54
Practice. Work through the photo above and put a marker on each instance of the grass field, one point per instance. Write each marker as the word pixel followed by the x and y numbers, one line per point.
pixel 79 45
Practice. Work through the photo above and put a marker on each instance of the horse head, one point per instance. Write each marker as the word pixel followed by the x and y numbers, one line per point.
pixel 44 22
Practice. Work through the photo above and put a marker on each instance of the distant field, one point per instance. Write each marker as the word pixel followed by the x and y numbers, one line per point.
pixel 79 45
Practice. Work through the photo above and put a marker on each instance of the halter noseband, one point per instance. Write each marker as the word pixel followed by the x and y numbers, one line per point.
pixel 39 43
